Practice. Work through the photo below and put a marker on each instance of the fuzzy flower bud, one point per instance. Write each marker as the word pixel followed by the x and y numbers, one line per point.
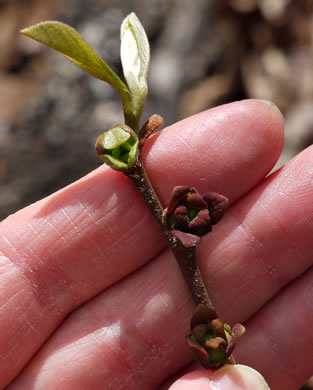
pixel 211 342
pixel 189 215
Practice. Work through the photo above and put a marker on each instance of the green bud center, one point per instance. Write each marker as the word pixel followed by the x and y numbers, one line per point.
pixel 218 354
pixel 192 213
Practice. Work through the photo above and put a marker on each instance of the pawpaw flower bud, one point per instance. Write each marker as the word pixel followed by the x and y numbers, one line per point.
pixel 211 342
pixel 189 215
pixel 118 147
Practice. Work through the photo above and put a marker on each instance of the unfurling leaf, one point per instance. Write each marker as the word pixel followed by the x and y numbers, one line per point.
pixel 68 41
pixel 118 147
pixel 135 57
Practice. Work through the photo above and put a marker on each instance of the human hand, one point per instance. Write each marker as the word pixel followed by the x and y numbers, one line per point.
pixel 92 299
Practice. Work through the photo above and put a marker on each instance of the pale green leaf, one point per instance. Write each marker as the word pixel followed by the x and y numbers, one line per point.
pixel 68 41
pixel 114 138
pixel 135 57
pixel 114 162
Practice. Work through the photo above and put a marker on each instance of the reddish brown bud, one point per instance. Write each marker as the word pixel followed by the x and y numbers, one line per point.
pixel 187 239
pixel 178 195
pixel 151 126
pixel 211 342
pixel 237 331
pixel 203 314
pixel 198 352
pixel 217 205
pixel 200 331
pixel 214 343
pixel 201 224
pixel 190 213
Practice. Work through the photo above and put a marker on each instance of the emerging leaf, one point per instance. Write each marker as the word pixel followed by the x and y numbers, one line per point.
pixel 115 137
pixel 68 41
pixel 118 147
pixel 135 57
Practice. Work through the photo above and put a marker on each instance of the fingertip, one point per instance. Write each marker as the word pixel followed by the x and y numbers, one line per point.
pixel 229 377
pixel 199 380
pixel 267 114
pixel 267 105
pixel 238 377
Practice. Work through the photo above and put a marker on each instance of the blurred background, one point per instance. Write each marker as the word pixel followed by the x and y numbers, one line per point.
pixel 204 53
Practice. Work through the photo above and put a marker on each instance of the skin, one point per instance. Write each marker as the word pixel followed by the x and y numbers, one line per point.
pixel 91 298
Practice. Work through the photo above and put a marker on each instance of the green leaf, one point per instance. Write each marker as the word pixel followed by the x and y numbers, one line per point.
pixel 114 162
pixel 217 355
pixel 135 57
pixel 68 41
pixel 114 138
pixel 227 331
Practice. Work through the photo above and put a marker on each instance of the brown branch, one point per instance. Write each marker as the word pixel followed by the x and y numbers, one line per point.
pixel 185 257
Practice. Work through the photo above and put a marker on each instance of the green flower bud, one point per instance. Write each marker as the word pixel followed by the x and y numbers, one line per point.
pixel 118 147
